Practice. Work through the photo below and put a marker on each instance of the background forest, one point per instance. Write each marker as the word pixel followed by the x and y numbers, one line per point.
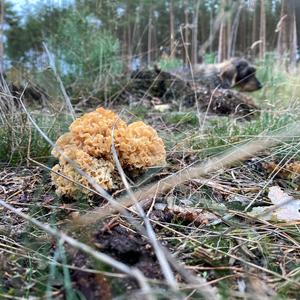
pixel 92 39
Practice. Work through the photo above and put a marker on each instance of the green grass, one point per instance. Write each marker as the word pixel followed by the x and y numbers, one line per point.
pixel 169 63
pixel 138 112
pixel 181 118
pixel 19 139
pixel 281 89
pixel 223 133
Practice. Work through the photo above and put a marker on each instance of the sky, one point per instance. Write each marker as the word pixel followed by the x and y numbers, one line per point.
pixel 23 6
pixel 19 4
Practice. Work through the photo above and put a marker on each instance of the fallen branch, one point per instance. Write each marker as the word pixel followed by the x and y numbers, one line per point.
pixel 192 172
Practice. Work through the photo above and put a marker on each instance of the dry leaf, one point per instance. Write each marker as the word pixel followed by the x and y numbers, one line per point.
pixel 289 171
pixel 162 107
pixel 188 214
pixel 285 208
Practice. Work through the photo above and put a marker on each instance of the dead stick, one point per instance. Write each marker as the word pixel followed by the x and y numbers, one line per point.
pixel 192 172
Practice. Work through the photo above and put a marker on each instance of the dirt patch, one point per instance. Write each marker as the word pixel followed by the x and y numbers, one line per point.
pixel 125 246
pixel 92 286
pixel 130 248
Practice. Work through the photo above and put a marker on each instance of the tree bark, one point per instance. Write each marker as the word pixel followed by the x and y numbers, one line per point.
pixel 222 49
pixel 129 43
pixel 154 39
pixel 172 29
pixel 186 42
pixel 149 52
pixel 293 37
pixel 234 30
pixel 254 23
pixel 211 29
pixel 2 12
pixel 228 34
pixel 195 34
pixel 283 35
pixel 287 36
pixel 262 30
pixel 124 51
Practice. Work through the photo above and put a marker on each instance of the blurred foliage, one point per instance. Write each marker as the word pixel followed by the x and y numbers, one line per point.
pixel 94 41
pixel 168 63
pixel 24 39
pixel 83 49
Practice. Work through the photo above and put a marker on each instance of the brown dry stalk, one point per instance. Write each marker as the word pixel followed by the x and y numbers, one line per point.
pixel 192 172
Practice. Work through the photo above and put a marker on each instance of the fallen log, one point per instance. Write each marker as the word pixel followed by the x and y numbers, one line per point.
pixel 148 86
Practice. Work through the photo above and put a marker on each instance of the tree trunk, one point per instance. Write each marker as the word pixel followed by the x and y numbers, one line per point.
pixel 222 50
pixel 172 29
pixel 137 37
pixel 129 43
pixel 222 43
pixel 186 42
pixel 228 34
pixel 297 16
pixel 2 11
pixel 149 52
pixel 234 30
pixel 135 33
pixel 287 37
pixel 211 29
pixel 154 39
pixel 254 23
pixel 293 37
pixel 283 34
pixel 195 34
pixel 124 51
pixel 262 30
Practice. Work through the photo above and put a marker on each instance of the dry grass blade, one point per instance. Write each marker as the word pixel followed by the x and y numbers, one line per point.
pixel 150 232
pixel 232 156
pixel 61 85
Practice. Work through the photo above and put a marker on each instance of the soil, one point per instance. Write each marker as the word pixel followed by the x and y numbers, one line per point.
pixel 130 248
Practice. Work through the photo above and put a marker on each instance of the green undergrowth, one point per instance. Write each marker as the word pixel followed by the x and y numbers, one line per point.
pixel 21 140
pixel 138 113
pixel 223 133
pixel 281 87
pixel 182 118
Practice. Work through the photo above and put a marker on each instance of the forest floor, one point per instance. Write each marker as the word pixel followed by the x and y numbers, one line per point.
pixel 207 223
